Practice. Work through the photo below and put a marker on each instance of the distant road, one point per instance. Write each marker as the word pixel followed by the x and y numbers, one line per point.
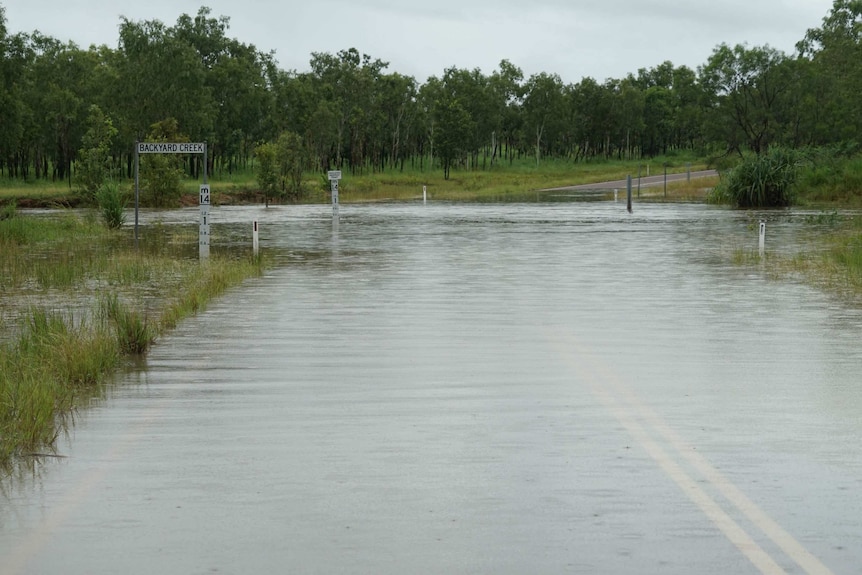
pixel 645 182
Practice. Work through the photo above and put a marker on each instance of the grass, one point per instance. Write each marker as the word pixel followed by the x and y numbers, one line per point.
pixel 832 262
pixel 493 183
pixel 837 267
pixel 76 301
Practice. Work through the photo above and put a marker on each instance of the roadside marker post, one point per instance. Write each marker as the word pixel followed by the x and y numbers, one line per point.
pixel 424 194
pixel 255 239
pixel 629 193
pixel 762 242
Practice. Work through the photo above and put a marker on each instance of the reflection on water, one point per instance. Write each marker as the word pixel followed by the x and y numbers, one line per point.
pixel 418 388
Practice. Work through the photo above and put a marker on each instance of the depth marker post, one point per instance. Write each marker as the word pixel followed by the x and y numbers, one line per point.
pixel 255 239
pixel 204 227
pixel 334 176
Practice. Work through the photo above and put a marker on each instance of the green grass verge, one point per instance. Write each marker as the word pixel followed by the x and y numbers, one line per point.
pixel 502 181
pixel 77 300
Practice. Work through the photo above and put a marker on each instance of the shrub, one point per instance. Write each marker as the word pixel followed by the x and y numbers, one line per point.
pixel 766 180
pixel 111 205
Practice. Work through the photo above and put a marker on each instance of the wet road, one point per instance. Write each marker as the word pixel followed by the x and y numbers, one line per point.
pixel 505 388
pixel 642 182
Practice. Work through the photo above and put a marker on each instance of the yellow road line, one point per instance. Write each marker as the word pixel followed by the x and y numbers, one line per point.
pixel 38 539
pixel 784 540
pixel 566 342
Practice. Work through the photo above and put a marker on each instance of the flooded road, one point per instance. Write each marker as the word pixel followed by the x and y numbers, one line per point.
pixel 500 388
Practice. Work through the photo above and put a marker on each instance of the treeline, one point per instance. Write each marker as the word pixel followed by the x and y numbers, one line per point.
pixel 348 112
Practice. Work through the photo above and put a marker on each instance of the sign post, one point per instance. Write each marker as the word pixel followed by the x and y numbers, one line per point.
pixel 178 148
pixel 334 176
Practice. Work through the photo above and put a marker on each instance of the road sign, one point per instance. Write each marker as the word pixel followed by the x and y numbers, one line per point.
pixel 171 148
pixel 334 174
pixel 205 194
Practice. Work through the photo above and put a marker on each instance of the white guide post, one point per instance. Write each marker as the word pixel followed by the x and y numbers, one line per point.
pixel 762 236
pixel 424 194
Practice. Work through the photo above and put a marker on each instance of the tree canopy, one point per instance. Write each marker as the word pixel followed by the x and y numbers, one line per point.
pixel 348 111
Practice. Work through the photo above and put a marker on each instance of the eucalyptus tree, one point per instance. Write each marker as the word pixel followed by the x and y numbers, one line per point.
pixel 748 86
pixel 506 96
pixel 397 103
pixel 161 76
pixel 235 74
pixel 470 89
pixel 835 49
pixel 94 157
pixel 631 104
pixel 56 90
pixel 592 108
pixel 13 62
pixel 688 96
pixel 348 81
pixel 543 109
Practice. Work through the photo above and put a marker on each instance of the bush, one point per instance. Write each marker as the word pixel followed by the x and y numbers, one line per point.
pixel 766 180
pixel 9 211
pixel 112 205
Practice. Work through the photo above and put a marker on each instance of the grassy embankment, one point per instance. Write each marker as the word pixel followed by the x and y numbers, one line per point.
pixel 834 260
pixel 501 183
pixel 76 301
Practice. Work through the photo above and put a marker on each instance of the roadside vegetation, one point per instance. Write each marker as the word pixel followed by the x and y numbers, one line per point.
pixel 77 301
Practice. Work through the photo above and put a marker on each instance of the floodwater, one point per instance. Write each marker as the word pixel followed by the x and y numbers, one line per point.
pixel 499 388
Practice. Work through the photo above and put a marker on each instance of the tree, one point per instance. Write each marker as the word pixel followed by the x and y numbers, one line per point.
pixel 543 105
pixel 835 50
pixel 94 158
pixel 267 169
pixel 291 162
pixel 454 128
pixel 747 85
pixel 161 173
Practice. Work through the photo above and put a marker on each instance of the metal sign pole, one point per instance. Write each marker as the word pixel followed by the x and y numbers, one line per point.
pixel 137 193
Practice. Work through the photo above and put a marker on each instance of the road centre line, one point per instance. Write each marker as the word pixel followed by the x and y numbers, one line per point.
pixel 38 539
pixel 597 376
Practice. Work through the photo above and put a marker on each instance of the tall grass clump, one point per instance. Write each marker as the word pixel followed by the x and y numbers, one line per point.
pixel 9 211
pixel 111 204
pixel 54 364
pixel 760 181
pixel 135 334
pixel 116 301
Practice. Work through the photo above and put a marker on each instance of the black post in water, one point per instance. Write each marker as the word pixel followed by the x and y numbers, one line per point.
pixel 665 179
pixel 629 193
pixel 639 180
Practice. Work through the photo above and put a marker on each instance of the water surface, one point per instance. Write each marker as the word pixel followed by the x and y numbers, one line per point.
pixel 494 388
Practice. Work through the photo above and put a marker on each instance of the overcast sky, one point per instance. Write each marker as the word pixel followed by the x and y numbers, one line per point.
pixel 573 38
